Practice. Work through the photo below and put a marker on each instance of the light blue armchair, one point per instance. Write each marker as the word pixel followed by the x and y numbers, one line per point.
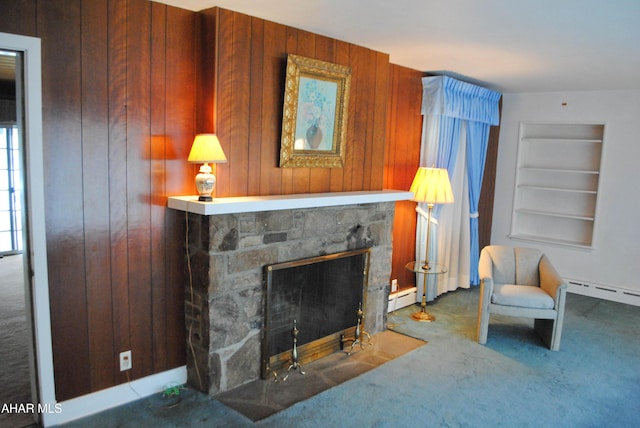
pixel 521 282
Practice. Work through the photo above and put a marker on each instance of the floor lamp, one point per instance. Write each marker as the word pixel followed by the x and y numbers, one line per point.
pixel 430 186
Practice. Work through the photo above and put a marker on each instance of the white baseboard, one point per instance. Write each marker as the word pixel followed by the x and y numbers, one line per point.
pixel 401 299
pixel 605 292
pixel 96 402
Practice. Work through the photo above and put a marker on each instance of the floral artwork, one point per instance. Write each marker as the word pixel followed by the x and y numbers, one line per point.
pixel 314 116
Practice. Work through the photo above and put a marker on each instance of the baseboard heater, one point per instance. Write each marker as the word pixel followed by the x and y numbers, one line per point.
pixel 401 299
pixel 606 292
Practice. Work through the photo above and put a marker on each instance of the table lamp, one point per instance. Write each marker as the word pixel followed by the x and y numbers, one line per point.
pixel 206 148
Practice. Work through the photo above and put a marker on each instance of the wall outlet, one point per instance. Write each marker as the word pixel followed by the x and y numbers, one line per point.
pixel 394 285
pixel 125 361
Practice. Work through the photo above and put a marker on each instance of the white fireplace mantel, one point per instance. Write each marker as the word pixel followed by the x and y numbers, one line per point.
pixel 283 202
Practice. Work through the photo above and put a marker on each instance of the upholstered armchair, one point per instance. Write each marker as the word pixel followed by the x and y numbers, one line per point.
pixel 521 282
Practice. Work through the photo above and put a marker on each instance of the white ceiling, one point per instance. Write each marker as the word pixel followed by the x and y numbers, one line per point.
pixel 508 45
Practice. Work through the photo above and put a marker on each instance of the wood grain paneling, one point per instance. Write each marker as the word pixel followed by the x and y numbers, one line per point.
pixel 95 171
pixel 250 56
pixel 118 119
pixel 126 85
pixel 402 160
pixel 57 25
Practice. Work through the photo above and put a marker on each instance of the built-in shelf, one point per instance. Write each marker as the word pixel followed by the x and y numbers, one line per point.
pixel 283 202
pixel 558 171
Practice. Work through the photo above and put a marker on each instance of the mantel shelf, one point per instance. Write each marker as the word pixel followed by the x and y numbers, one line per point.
pixel 245 204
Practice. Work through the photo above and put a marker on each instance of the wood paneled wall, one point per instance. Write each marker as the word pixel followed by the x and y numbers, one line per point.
pixel 118 115
pixel 249 56
pixel 126 85
pixel 404 130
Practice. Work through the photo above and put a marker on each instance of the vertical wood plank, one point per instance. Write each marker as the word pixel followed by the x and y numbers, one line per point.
pixel 95 171
pixel 224 101
pixel 271 182
pixel 338 174
pixel 118 173
pixel 138 184
pixel 157 156
pixel 255 107
pixel 180 120
pixel 62 133
pixel 240 92
pixel 379 138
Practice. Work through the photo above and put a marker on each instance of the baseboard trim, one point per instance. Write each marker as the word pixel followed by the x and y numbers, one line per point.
pixel 605 292
pixel 96 402
pixel 402 299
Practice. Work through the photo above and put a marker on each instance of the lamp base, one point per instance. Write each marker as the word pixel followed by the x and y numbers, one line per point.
pixel 423 316
pixel 205 199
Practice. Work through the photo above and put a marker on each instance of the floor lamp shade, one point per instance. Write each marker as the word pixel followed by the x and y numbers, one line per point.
pixel 206 149
pixel 432 186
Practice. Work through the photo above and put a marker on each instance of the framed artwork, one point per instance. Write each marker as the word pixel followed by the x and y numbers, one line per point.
pixel 314 119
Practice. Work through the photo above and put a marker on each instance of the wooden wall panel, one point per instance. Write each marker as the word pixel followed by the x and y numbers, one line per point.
pixel 402 160
pixel 118 121
pixel 95 171
pixel 126 85
pixel 57 23
pixel 252 141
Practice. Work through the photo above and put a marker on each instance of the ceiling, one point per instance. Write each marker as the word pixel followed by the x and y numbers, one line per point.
pixel 507 45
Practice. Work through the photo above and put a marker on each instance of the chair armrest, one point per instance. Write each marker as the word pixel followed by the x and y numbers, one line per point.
pixel 485 271
pixel 550 280
pixel 485 265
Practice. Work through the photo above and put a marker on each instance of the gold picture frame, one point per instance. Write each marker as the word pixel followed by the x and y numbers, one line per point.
pixel 314 117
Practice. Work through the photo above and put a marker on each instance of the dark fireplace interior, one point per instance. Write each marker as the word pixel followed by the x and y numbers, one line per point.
pixel 322 295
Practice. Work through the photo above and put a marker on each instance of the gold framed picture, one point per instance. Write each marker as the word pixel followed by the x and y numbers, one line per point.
pixel 314 117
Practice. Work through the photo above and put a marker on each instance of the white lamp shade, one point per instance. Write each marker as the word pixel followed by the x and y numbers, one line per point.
pixel 206 148
pixel 432 186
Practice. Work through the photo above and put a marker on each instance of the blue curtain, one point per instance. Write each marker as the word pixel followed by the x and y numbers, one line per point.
pixel 454 101
pixel 478 135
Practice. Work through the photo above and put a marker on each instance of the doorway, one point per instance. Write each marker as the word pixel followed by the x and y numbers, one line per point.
pixel 23 219
pixel 15 323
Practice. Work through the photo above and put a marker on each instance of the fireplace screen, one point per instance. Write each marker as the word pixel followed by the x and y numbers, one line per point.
pixel 322 296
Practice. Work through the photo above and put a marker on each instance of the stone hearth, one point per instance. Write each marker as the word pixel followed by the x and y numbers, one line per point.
pixel 228 252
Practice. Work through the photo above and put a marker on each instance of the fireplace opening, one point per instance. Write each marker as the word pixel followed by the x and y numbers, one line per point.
pixel 321 295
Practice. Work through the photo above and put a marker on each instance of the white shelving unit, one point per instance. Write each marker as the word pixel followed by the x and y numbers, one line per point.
pixel 558 172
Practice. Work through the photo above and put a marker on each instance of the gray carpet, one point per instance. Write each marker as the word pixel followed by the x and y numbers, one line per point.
pixel 513 381
pixel 14 366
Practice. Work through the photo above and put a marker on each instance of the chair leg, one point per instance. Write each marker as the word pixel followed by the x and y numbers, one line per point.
pixel 550 331
pixel 483 317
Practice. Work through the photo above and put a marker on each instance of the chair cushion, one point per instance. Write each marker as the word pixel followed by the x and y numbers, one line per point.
pixel 525 296
pixel 527 261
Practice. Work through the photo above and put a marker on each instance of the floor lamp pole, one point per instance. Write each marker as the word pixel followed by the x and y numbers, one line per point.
pixel 423 315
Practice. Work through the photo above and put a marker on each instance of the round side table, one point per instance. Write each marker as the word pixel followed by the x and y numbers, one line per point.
pixel 431 269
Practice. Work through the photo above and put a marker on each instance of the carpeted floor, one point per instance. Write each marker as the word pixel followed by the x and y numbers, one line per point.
pixel 593 381
pixel 14 366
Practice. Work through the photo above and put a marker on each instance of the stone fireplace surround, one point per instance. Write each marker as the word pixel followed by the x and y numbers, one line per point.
pixel 230 241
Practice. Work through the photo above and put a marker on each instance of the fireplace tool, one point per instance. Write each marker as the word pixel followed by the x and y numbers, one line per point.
pixel 359 333
pixel 294 354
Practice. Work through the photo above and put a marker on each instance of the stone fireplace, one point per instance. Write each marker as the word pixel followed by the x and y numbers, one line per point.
pixel 231 240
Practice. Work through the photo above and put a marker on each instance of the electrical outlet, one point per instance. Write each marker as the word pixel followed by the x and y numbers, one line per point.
pixel 125 361
pixel 394 285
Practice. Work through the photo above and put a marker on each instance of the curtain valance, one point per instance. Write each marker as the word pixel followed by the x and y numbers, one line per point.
pixel 446 96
